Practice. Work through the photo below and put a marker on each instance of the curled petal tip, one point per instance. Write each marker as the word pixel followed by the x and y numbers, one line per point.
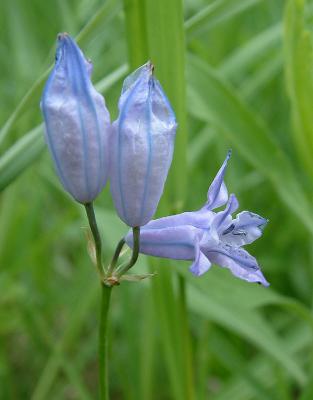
pixel 264 283
pixel 263 224
pixel 261 280
pixel 217 193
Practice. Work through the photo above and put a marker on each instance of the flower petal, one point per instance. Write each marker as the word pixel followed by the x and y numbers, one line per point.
pixel 201 264
pixel 176 243
pixel 239 261
pixel 223 218
pixel 217 193
pixel 245 229
pixel 217 196
pixel 198 219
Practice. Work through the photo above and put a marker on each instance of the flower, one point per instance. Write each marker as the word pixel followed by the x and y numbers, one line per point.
pixel 142 147
pixel 77 123
pixel 207 237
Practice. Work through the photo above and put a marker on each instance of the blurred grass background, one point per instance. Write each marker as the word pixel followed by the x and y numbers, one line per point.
pixel 239 74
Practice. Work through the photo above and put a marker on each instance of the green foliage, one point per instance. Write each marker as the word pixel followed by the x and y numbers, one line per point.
pixel 298 51
pixel 239 75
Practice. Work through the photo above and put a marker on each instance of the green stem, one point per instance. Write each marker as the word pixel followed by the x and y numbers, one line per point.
pixel 135 253
pixel 103 342
pixel 96 236
pixel 117 252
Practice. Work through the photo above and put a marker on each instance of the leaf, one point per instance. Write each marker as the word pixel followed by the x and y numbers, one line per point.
pixel 299 60
pixel 114 77
pixel 307 393
pixel 263 76
pixel 234 304
pixel 166 41
pixel 298 339
pixel 78 316
pixel 135 22
pixel 199 144
pixel 215 13
pixel 20 156
pixel 252 52
pixel 220 284
pixel 248 324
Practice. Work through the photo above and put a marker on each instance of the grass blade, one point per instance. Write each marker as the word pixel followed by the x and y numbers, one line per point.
pixel 299 56
pixel 215 13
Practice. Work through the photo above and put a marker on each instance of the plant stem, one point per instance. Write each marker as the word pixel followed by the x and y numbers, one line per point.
pixel 103 342
pixel 135 253
pixel 117 252
pixel 96 236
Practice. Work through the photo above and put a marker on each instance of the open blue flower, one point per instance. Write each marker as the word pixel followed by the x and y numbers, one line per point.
pixel 207 237
pixel 142 147
pixel 77 123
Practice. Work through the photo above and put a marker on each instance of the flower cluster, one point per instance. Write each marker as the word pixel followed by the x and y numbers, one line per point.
pixel 135 153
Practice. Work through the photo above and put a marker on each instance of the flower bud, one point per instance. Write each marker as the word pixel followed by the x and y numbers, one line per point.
pixel 77 123
pixel 142 147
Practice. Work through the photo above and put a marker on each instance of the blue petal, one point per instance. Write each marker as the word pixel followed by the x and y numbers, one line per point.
pixel 245 229
pixel 217 193
pixel 239 261
pixel 142 73
pixel 223 218
pixel 176 243
pixel 217 196
pixel 199 219
pixel 201 264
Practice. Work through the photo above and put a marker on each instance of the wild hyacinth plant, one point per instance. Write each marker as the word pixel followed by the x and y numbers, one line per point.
pixel 136 152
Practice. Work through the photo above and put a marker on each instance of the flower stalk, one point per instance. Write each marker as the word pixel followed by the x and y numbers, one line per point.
pixel 108 280
pixel 116 255
pixel 135 253
pixel 104 309
pixel 103 342
pixel 96 237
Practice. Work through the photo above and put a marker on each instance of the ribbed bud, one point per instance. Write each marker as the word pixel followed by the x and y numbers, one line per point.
pixel 142 147
pixel 77 123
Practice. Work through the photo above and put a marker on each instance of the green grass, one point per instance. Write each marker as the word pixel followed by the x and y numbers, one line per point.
pixel 239 75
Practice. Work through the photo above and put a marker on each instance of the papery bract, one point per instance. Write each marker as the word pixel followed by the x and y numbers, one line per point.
pixel 206 237
pixel 77 123
pixel 142 147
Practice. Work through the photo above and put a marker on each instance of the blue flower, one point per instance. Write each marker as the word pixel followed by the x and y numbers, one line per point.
pixel 207 237
pixel 77 123
pixel 142 147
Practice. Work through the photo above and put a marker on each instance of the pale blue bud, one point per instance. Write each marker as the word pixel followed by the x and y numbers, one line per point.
pixel 77 123
pixel 142 147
